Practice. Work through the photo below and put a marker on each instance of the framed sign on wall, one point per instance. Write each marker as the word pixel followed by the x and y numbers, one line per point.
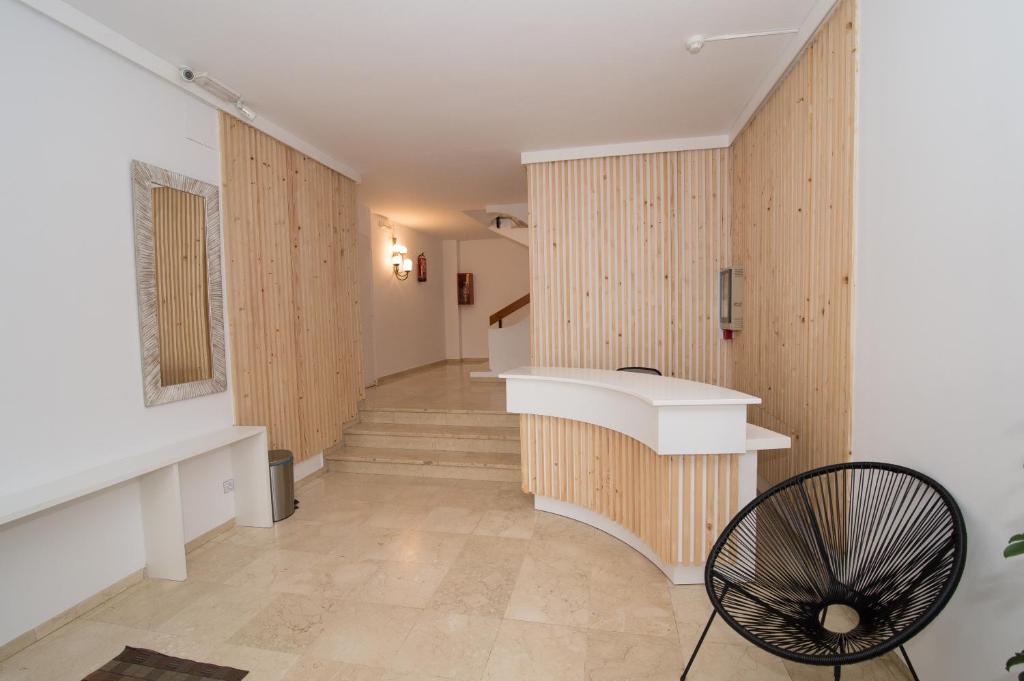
pixel 465 286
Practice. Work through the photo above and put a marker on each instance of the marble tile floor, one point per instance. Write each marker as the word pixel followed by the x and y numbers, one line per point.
pixel 388 578
pixel 446 387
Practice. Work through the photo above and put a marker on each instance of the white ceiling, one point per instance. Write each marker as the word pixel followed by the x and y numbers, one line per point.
pixel 433 100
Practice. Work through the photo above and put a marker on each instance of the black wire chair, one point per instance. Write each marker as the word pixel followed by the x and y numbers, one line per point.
pixel 640 370
pixel 883 540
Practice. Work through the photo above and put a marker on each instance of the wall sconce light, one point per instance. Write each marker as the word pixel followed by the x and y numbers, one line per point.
pixel 401 265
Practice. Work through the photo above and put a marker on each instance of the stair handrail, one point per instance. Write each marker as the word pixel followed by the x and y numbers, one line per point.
pixel 509 309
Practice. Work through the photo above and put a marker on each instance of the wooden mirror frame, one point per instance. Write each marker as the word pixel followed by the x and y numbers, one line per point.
pixel 144 178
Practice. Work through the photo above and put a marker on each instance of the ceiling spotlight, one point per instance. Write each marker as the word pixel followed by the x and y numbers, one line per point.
pixel 696 42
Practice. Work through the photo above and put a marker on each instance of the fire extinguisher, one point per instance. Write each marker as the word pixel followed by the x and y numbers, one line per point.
pixel 421 267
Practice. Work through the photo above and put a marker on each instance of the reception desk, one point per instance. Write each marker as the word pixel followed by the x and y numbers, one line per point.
pixel 661 463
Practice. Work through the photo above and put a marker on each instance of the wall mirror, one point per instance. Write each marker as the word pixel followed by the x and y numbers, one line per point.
pixel 178 274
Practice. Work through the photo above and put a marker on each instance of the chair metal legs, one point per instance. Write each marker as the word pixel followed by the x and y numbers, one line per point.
pixel 697 649
pixel 837 669
pixel 906 658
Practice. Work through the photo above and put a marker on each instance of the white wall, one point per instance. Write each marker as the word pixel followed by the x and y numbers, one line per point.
pixel 408 324
pixel 74 116
pixel 939 338
pixel 501 275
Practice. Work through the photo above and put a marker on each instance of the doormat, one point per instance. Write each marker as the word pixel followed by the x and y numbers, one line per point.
pixel 139 663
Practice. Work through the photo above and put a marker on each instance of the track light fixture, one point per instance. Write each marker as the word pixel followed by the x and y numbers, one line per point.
pixel 696 42
pixel 217 89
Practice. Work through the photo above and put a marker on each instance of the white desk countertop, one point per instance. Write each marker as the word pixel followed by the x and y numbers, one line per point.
pixel 658 391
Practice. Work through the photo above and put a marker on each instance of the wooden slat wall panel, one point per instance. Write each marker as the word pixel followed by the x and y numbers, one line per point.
pixel 624 480
pixel 289 235
pixel 625 253
pixel 179 244
pixel 624 260
pixel 792 232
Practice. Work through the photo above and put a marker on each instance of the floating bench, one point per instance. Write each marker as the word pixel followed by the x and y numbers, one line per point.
pixel 160 491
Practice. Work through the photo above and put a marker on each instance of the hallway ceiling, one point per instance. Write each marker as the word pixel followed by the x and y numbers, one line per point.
pixel 434 101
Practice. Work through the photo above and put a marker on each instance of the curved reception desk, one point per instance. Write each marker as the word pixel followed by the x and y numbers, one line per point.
pixel 661 463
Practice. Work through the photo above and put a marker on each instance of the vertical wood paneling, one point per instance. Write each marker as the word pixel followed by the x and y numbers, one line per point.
pixel 289 234
pixel 625 253
pixel 179 245
pixel 792 232
pixel 626 481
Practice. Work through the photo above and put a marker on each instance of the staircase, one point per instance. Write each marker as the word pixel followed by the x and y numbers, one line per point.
pixel 478 445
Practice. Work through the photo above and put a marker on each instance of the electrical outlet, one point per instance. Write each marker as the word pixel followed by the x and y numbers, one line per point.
pixel 229 485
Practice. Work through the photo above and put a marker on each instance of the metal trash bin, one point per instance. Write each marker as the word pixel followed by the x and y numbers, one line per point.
pixel 282 483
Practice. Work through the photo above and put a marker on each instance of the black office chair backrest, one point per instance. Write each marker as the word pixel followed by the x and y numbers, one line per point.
pixel 640 370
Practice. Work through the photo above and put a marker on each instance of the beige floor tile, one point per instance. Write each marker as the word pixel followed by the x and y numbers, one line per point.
pixel 449 645
pixel 74 651
pixel 289 624
pixel 309 668
pixel 739 662
pixel 283 571
pixel 690 603
pixel 407 546
pixel 150 603
pixel 394 583
pixel 373 492
pixel 447 387
pixel 410 676
pixel 692 608
pixel 453 519
pixel 367 543
pixel 267 537
pixel 551 527
pixel 350 514
pixel 317 537
pixel 553 585
pixel 478 585
pixel 402 517
pixel 625 657
pixel 631 607
pixel 219 561
pixel 364 633
pixel 510 524
pixel 527 651
pixel 886 668
pixel 482 548
pixel 262 664
pixel 426 495
pixel 218 614
pixel 720 632
pixel 619 561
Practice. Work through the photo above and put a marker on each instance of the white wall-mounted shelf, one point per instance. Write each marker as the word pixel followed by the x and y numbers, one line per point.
pixel 160 491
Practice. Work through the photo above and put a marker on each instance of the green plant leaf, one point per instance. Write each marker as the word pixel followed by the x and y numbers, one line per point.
pixel 1017 537
pixel 1012 550
pixel 1015 660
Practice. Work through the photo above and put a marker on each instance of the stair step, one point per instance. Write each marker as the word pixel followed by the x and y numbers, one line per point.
pixel 424 463
pixel 439 417
pixel 425 457
pixel 426 436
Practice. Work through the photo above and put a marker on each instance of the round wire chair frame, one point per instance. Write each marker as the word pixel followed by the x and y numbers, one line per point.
pixel 958 539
